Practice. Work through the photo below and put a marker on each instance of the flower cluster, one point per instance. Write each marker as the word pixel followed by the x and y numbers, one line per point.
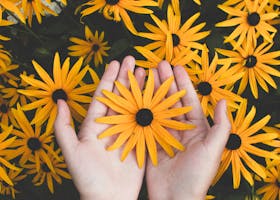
pixel 59 49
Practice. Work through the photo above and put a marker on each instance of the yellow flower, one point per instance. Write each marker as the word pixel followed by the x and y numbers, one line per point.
pixel 45 173
pixel 30 142
pixel 251 22
pixel 64 86
pixel 4 145
pixel 271 189
pixel 38 8
pixel 117 10
pixel 209 197
pixel 4 22
pixel 241 142
pixel 170 37
pixel 12 94
pixel 93 46
pixel 256 64
pixel 211 82
pixel 15 177
pixel 142 118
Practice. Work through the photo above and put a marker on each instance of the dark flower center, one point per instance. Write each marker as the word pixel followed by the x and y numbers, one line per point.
pixel 175 39
pixel 59 94
pixel 277 183
pixel 234 142
pixel 112 2
pixel 45 167
pixel 34 144
pixel 253 19
pixel 251 61
pixel 204 88
pixel 4 108
pixel 95 47
pixel 144 117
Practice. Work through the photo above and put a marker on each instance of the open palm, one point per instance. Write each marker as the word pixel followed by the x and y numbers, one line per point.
pixel 96 173
pixel 188 174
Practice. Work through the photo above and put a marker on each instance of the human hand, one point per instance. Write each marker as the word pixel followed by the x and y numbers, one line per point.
pixel 96 173
pixel 188 175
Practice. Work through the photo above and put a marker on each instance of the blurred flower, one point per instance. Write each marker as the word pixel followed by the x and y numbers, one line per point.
pixel 117 10
pixel 4 22
pixel 11 5
pixel 11 94
pixel 15 177
pixel 241 142
pixel 211 81
pixel 64 86
pixel 170 37
pixel 5 142
pixel 271 189
pixel 251 22
pixel 30 142
pixel 209 197
pixel 46 174
pixel 255 62
pixel 5 58
pixel 37 8
pixel 143 118
pixel 93 46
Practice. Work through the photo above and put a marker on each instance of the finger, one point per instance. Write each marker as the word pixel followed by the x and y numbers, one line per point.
pixel 65 135
pixel 128 64
pixel 156 78
pixel 190 99
pixel 218 135
pixel 96 108
pixel 165 71
pixel 140 75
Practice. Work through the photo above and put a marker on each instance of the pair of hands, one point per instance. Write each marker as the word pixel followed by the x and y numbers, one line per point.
pixel 99 174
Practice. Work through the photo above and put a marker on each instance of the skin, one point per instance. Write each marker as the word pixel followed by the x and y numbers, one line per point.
pixel 99 174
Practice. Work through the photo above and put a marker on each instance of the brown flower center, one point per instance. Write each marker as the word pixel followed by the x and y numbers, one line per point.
pixel 144 117
pixel 204 88
pixel 59 94
pixel 234 142
pixel 95 47
pixel 34 143
pixel 253 19
pixel 112 2
pixel 251 61
pixel 175 39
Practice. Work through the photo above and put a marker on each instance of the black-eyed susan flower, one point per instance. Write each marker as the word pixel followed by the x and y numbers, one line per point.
pixel 251 22
pixel 6 116
pixel 46 174
pixel 11 5
pixel 10 190
pixel 93 46
pixel 271 188
pixel 142 118
pixel 256 64
pixel 11 94
pixel 64 85
pixel 242 140
pixel 170 37
pixel 117 10
pixel 5 58
pixel 30 141
pixel 5 143
pixel 211 81
pixel 37 8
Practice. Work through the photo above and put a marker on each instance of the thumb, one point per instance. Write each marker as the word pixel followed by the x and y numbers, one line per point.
pixel 65 135
pixel 219 133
